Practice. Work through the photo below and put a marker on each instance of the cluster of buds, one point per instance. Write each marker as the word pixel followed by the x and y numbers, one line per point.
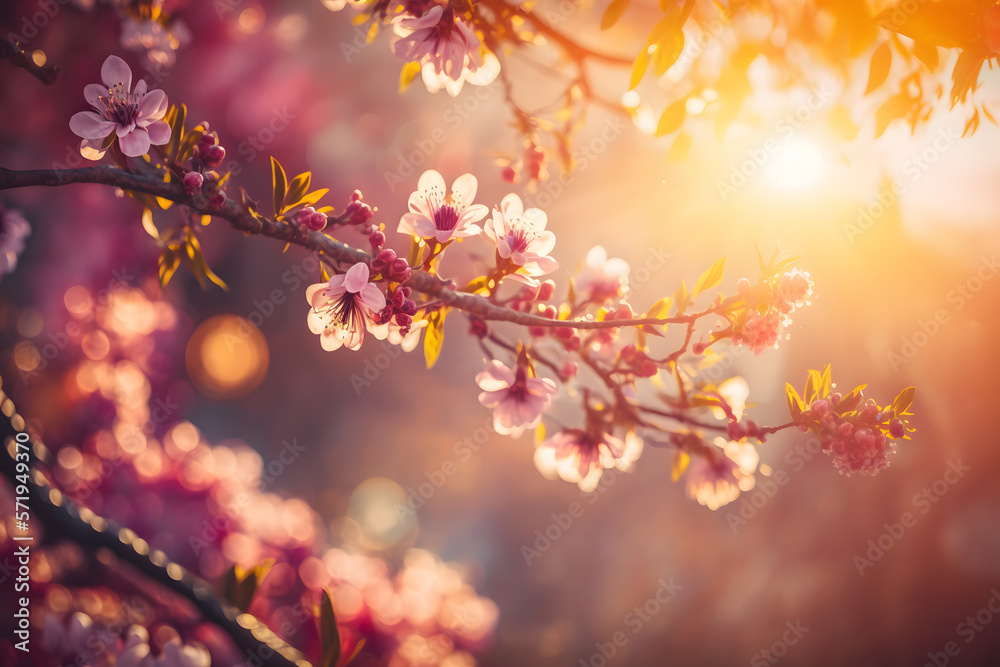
pixel 357 212
pixel 857 439
pixel 400 308
pixel 385 260
pixel 635 362
pixel 768 306
pixel 200 176
pixel 309 218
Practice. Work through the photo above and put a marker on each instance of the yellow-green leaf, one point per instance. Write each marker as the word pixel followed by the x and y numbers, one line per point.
pixel 434 337
pixel 309 199
pixel 661 308
pixel 680 149
pixel 299 187
pixel 904 400
pixel 681 461
pixel 279 184
pixel 407 75
pixel 613 13
pixel 147 224
pixel 672 117
pixel 639 68
pixel 711 277
pixel 329 633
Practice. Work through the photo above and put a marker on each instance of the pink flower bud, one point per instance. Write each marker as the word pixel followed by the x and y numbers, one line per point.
pixel 896 428
pixel 388 256
pixel 509 174
pixel 214 155
pixel 409 307
pixel 317 221
pixel 478 328
pixel 399 266
pixel 192 182
pixel 537 332
pixel 218 199
pixel 376 239
pixel 546 290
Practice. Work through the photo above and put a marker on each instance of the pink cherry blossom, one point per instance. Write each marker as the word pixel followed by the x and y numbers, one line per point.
pixel 447 49
pixel 517 400
pixel 793 290
pixel 133 116
pixel 521 238
pixel 602 279
pixel 344 308
pixel 436 215
pixel 716 477
pixel 759 332
pixel 579 457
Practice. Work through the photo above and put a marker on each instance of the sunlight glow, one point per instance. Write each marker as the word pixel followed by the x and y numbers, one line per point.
pixel 797 164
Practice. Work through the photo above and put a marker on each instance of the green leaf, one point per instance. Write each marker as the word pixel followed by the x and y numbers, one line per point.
pixel 279 184
pixel 613 13
pixel 711 277
pixel 879 71
pixel 329 633
pixel 672 117
pixel 434 337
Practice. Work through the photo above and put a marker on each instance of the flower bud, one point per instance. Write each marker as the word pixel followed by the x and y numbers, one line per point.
pixel 388 256
pixel 192 182
pixel 546 290
pixel 214 155
pixel 376 239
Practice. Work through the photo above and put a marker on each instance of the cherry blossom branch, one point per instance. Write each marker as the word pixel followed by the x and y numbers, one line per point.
pixel 239 216
pixel 17 55
pixel 576 50
pixel 64 519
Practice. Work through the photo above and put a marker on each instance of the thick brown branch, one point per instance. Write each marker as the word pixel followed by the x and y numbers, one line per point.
pixel 13 51
pixel 240 218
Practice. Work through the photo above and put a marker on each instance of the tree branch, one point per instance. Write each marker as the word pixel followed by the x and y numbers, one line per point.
pixel 13 51
pixel 63 519
pixel 240 218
